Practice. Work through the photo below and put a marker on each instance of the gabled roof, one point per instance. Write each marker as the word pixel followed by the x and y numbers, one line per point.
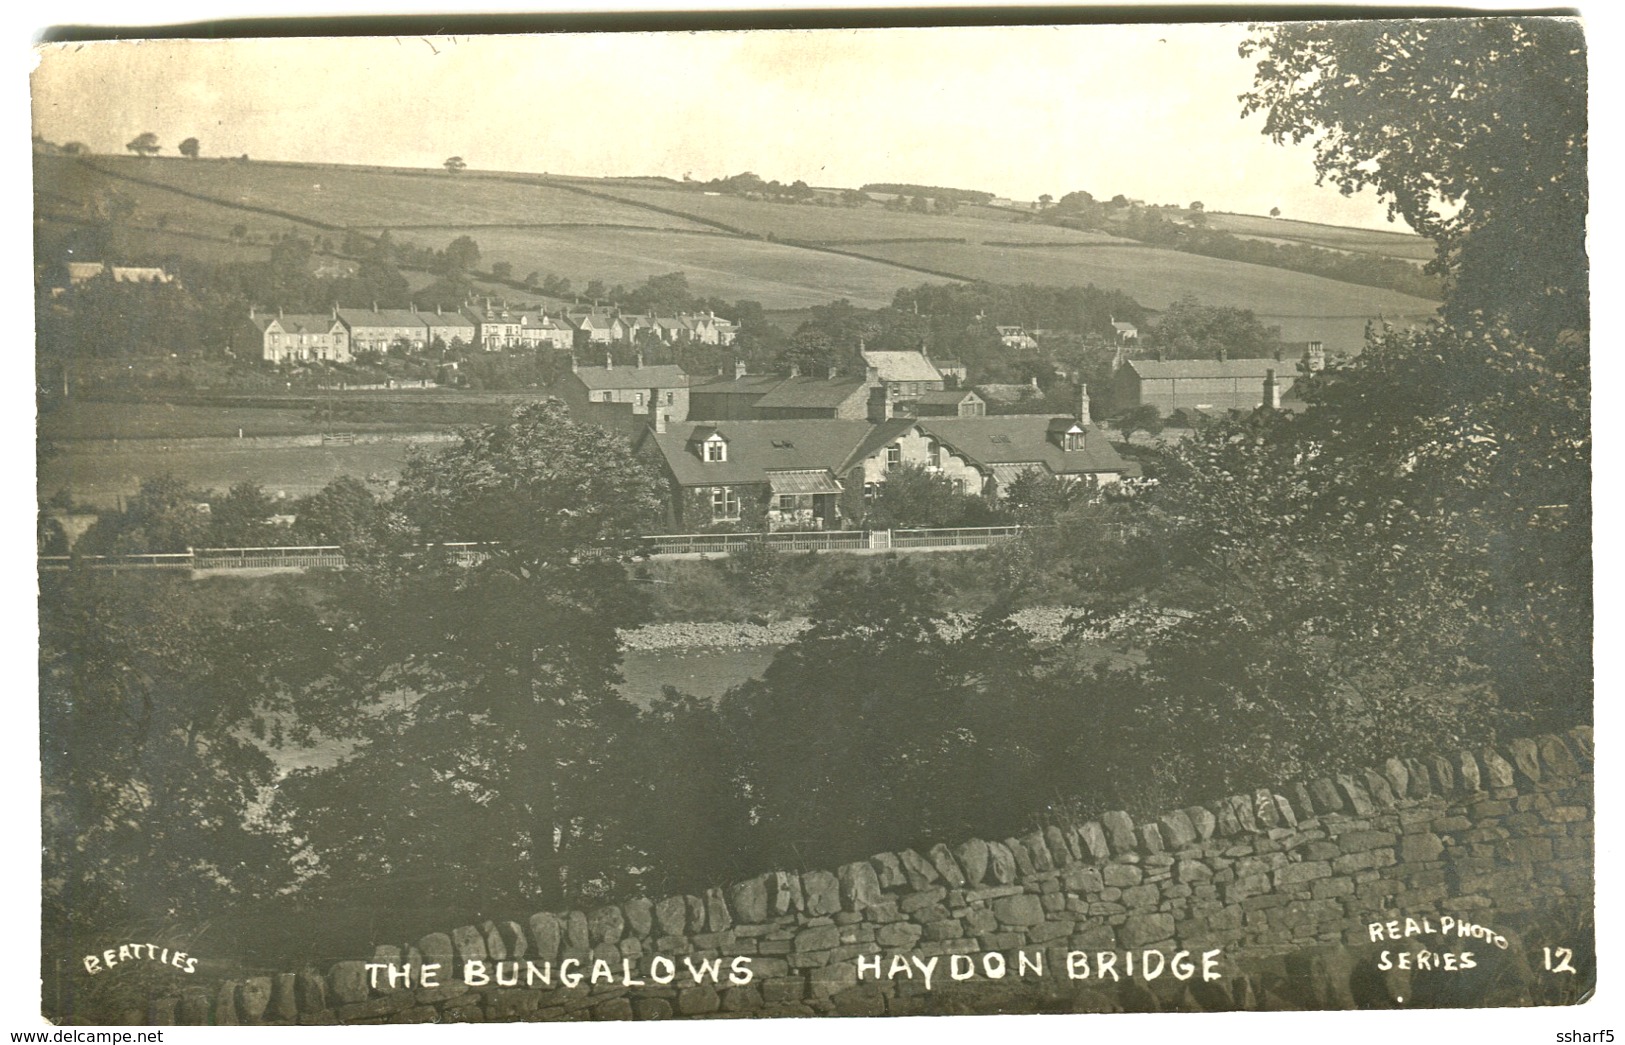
pixel 1124 328
pixel 1018 438
pixel 447 319
pixel 812 392
pixel 1249 369
pixel 750 384
pixel 665 376
pixel 295 324
pixel 384 317
pixel 902 366
pixel 948 397
pixel 756 448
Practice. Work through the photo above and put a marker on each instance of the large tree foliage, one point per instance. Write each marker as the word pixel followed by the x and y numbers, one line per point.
pixel 1472 129
pixel 488 720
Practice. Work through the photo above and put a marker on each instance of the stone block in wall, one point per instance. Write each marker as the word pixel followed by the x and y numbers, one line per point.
pixel 193 1010
pixel 1083 879
pixel 917 869
pixel 1245 816
pixel 1151 838
pixel 348 982
pixel 1063 845
pixel 921 900
pixel 1023 858
pixel 944 929
pixel 830 979
pixel 821 892
pixel 613 1009
pixel 1398 777
pixel 513 939
pixel 1443 774
pixel 1224 813
pixel 651 1009
pixel 1377 786
pixel 1525 758
pixel 1001 863
pixel 1355 794
pixel 1119 828
pixel 1303 804
pixel 750 899
pixel 889 869
pixel 223 1009
pixel 1038 851
pixel 787 895
pixel 1498 773
pixel 859 885
pixel 467 943
pixel 606 925
pixel 253 998
pixel 972 856
pixel 1584 742
pixel 310 990
pixel 1177 829
pixel 1202 821
pixel 1558 760
pixel 163 1011
pixel 696 1001
pixel 898 934
pixel 1287 816
pixel 946 866
pixel 1018 911
pixel 1264 810
pixel 1140 896
pixel 284 1003
pixel 717 916
pixel 1138 930
pixel 578 934
pixel 436 947
pixel 546 932
pixel 1093 839
pixel 376 1008
pixel 817 938
pixel 1327 797
pixel 1468 773
pixel 1418 782
pixel 1306 871
pixel 640 916
pixel 1120 876
pixel 1193 871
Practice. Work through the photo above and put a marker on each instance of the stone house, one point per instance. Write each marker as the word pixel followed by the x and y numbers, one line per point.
pixel 1213 385
pixel 285 337
pixel 645 388
pixel 380 329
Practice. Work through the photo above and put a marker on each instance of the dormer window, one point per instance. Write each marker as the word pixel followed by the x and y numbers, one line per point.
pixel 1074 440
pixel 716 449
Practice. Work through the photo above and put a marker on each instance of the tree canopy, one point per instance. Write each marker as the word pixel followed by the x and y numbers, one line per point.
pixel 144 144
pixel 1474 131
pixel 189 148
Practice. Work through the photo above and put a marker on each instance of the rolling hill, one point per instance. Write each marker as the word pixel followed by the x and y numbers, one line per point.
pixel 623 230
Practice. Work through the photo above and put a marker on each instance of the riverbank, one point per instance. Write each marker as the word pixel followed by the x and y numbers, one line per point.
pixel 1042 623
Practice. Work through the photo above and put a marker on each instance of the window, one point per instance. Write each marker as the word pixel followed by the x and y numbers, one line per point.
pixel 724 503
pixel 894 457
pixel 936 454
pixel 671 397
pixel 1074 440
pixel 959 486
pixel 609 397
pixel 716 449
pixel 787 502
pixel 637 398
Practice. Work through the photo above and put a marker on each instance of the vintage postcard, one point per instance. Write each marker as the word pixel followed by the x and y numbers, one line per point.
pixel 717 522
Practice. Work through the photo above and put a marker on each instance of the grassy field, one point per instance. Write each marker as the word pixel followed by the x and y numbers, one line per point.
pixel 372 200
pixel 1406 246
pixel 545 227
pixel 730 267
pixel 88 419
pixel 1312 307
pixel 98 475
pixel 845 225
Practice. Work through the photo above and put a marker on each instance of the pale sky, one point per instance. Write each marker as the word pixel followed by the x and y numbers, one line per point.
pixel 1148 111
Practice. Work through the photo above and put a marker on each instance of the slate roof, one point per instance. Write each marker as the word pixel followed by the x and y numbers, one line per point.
pixel 750 384
pixel 664 376
pixel 902 366
pixel 756 448
pixel 1241 369
pixel 811 392
pixel 1014 438
pixel 947 397
pixel 384 317
pixel 447 319
pixel 295 324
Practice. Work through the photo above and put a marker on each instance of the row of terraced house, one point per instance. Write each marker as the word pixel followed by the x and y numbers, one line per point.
pixel 341 334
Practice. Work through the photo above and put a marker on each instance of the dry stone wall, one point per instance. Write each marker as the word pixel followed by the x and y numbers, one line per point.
pixel 1483 835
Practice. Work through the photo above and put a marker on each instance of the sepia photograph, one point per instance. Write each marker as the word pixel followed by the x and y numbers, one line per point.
pixel 878 515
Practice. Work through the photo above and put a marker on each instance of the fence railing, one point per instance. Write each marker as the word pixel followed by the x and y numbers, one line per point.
pixel 472 554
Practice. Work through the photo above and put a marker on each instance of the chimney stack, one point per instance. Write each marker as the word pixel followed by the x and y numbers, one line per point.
pixel 879 405
pixel 871 375
pixel 251 312
pixel 834 372
pixel 638 360
pixel 1315 356
pixel 739 369
pixel 660 422
pixel 609 361
pixel 795 370
pixel 572 362
pixel 1272 391
pixel 1224 355
pixel 1083 403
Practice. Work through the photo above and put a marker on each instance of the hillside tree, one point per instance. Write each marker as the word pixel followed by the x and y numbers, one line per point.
pixel 144 144
pixel 455 165
pixel 189 148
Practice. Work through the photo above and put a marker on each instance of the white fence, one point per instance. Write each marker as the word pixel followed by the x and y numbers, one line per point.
pixel 471 554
